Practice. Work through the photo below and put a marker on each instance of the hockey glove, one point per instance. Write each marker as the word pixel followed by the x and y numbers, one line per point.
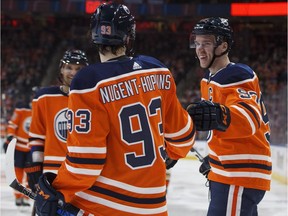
pixel 205 167
pixel 33 171
pixel 8 140
pixel 47 197
pixel 209 116
pixel 170 163
pixel 50 202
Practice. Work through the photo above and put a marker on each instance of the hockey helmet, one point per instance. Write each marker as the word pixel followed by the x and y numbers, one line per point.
pixel 112 24
pixel 74 57
pixel 217 26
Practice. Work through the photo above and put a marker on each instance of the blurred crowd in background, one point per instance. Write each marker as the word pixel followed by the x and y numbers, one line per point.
pixel 31 50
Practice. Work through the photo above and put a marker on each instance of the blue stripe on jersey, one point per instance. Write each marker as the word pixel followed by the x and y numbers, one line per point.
pixel 49 90
pixel 92 161
pixel 52 164
pixel 251 110
pixel 189 136
pixel 126 198
pixel 232 73
pixel 22 105
pixel 241 165
pixel 89 76
pixel 36 148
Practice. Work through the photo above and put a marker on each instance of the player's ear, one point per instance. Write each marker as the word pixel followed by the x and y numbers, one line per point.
pixel 224 46
pixel 62 70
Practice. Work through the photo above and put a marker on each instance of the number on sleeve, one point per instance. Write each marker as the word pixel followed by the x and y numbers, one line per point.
pixel 84 117
pixel 85 121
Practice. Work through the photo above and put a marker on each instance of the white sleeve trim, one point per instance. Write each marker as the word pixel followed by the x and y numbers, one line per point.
pixel 122 207
pixel 128 187
pixel 241 174
pixel 182 131
pixel 244 113
pixel 97 150
pixel 82 171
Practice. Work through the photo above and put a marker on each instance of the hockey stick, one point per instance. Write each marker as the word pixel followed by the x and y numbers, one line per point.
pixel 201 159
pixel 13 182
pixel 197 154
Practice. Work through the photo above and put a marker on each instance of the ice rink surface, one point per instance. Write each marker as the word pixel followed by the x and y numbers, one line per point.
pixel 187 194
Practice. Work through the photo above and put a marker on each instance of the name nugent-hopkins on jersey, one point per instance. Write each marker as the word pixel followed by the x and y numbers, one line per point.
pixel 130 87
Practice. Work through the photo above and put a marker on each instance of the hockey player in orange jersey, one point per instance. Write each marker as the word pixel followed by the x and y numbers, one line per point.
pixel 48 131
pixel 18 127
pixel 232 109
pixel 120 113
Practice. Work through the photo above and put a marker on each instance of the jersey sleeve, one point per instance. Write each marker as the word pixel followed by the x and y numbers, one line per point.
pixel 86 154
pixel 245 112
pixel 37 132
pixel 179 130
pixel 13 123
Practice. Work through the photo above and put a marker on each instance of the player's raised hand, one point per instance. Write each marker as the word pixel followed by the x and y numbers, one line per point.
pixel 209 116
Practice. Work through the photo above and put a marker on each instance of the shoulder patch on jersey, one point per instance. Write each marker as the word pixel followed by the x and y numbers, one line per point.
pixel 60 125
pixel 26 124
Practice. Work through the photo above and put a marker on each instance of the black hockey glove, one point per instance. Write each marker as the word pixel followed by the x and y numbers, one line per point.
pixel 209 116
pixel 205 166
pixel 50 202
pixel 33 171
pixel 8 140
pixel 170 162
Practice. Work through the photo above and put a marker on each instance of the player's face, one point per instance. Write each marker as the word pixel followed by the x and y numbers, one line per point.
pixel 205 45
pixel 68 71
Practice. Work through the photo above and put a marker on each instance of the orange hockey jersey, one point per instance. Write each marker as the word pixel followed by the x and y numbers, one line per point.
pixel 19 125
pixel 241 155
pixel 120 113
pixel 48 131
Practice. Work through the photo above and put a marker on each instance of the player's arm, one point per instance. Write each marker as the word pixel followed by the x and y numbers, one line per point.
pixel 240 111
pixel 34 163
pixel 11 129
pixel 179 130
pixel 86 144
pixel 207 115
pixel 246 113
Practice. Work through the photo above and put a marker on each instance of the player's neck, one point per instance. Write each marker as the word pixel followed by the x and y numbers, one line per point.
pixel 109 55
pixel 219 64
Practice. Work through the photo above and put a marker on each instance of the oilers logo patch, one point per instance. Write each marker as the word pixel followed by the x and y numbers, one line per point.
pixel 60 125
pixel 26 124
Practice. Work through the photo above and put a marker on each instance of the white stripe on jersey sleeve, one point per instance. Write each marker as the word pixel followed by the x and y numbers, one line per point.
pixel 182 131
pixel 128 187
pixel 250 174
pixel 83 149
pixel 124 208
pixel 244 113
pixel 82 171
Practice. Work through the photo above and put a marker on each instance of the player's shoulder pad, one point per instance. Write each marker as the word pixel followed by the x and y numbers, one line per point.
pixel 22 105
pixel 50 90
pixel 150 62
pixel 89 76
pixel 234 73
